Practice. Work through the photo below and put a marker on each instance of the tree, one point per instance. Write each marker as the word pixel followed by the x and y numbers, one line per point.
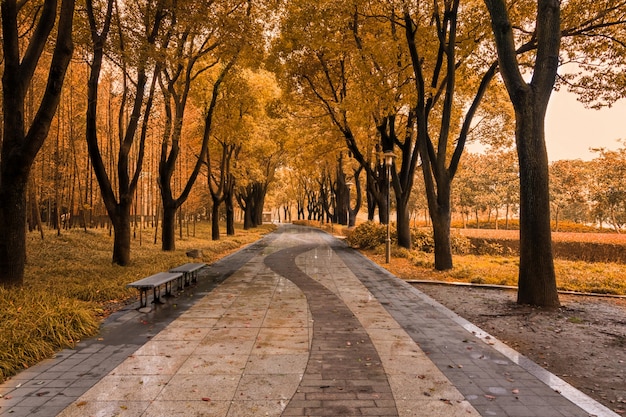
pixel 317 58
pixel 537 280
pixel 444 109
pixel 262 159
pixel 253 121
pixel 499 174
pixel 21 143
pixel 233 125
pixel 220 42
pixel 119 206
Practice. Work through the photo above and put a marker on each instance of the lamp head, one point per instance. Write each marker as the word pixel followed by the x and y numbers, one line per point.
pixel 389 157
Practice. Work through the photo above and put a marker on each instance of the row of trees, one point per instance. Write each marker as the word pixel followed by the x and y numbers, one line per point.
pixel 389 71
pixel 157 94
pixel 583 192
pixel 590 193
pixel 232 90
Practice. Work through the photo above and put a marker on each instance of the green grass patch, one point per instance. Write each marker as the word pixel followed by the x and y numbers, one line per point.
pixel 70 285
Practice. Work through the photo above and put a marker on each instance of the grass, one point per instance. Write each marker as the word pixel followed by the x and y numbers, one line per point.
pixel 578 276
pixel 70 285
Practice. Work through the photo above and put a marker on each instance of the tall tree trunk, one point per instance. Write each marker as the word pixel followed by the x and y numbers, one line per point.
pixel 18 146
pixel 259 203
pixel 13 236
pixel 383 211
pixel 248 222
pixel 353 212
pixel 537 280
pixel 121 235
pixel 441 237
pixel 35 213
pixel 168 226
pixel 440 215
pixel 215 219
pixel 230 218
pixel 403 225
pixel 230 209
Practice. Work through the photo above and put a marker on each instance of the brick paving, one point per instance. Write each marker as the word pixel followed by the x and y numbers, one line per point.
pixel 344 374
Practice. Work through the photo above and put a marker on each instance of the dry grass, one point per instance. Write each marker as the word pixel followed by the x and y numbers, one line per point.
pixel 579 276
pixel 498 263
pixel 588 247
pixel 70 285
pixel 607 238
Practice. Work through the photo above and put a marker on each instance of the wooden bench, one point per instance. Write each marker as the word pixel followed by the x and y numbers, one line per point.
pixel 154 283
pixel 189 271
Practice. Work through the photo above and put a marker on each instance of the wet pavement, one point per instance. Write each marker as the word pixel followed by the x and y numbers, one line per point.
pixel 297 324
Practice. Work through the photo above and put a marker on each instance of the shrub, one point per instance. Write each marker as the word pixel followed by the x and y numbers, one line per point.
pixel 369 235
pixel 461 245
pixel 421 259
pixel 422 240
pixel 486 247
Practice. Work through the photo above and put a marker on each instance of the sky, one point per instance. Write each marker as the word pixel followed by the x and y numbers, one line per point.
pixel 572 129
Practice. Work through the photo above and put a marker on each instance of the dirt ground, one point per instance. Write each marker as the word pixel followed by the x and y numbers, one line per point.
pixel 583 342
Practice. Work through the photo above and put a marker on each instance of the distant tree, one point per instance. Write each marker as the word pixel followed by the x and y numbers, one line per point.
pixel 500 170
pixel 608 192
pixel 569 188
pixel 266 141
pixel 26 33
pixel 467 187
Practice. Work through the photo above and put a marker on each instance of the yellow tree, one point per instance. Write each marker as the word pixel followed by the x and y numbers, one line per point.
pixel 265 142
pixel 232 126
pixel 195 45
pixel 118 200
pixel 320 64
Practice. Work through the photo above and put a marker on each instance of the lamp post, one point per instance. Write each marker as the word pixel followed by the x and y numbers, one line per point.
pixel 349 185
pixel 389 157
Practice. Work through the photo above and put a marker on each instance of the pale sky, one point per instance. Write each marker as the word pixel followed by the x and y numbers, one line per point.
pixel 571 129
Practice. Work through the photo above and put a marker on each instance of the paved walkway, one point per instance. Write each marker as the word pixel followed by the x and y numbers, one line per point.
pixel 294 325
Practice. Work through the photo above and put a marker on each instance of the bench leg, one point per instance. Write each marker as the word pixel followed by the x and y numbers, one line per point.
pixel 143 297
pixel 156 299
